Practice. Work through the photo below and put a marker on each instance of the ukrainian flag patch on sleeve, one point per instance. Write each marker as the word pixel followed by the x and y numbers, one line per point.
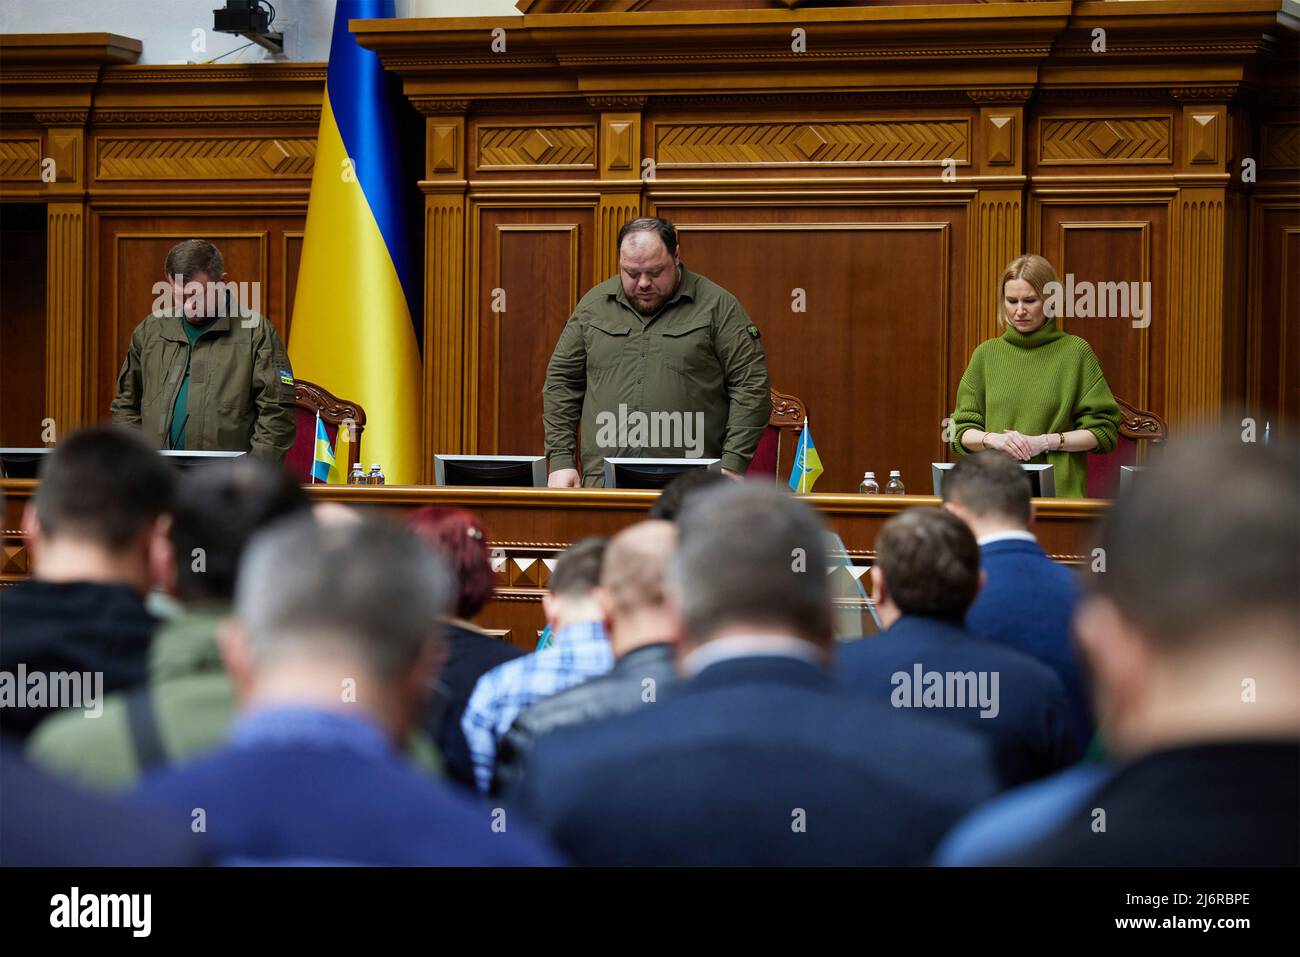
pixel 286 377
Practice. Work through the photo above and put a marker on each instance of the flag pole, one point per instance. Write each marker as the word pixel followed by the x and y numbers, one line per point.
pixel 315 436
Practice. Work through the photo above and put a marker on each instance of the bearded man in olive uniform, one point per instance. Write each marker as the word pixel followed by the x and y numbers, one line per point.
pixel 656 362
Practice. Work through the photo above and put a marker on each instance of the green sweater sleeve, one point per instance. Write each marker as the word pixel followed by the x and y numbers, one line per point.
pixel 969 413
pixel 1097 410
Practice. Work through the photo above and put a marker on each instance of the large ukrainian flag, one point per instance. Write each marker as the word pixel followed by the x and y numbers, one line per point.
pixel 352 331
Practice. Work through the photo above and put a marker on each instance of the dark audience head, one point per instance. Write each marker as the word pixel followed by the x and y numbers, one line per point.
pixel 96 513
pixel 460 538
pixel 218 509
pixel 673 498
pixel 990 492
pixel 751 558
pixel 571 592
pixel 1192 624
pixel 927 564
pixel 320 606
pixel 633 586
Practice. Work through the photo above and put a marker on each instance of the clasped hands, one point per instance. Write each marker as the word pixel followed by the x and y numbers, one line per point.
pixel 1016 444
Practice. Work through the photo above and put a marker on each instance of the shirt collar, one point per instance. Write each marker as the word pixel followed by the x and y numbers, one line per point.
pixel 579 633
pixel 748 646
pixel 310 727
pixel 1006 537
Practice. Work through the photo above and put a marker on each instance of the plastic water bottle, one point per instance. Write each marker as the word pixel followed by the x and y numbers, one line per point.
pixel 376 476
pixel 357 476
pixel 869 484
pixel 895 484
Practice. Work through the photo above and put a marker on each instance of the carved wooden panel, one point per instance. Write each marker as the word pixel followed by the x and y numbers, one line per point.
pixel 1273 360
pixel 1281 142
pixel 204 157
pixel 20 158
pixel 532 265
pixel 864 143
pixel 857 308
pixel 534 146
pixel 1096 243
pixel 1115 139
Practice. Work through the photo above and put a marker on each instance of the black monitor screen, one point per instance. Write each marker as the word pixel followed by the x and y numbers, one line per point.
pixel 648 476
pixel 21 463
pixel 507 474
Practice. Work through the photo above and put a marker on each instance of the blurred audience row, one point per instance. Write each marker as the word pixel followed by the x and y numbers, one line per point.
pixel 204 668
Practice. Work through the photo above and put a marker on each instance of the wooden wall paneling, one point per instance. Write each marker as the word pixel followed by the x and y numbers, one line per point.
pixel 997 237
pixel 1194 360
pixel 1273 366
pixel 621 172
pixel 1112 235
pixel 446 332
pixel 533 249
pixel 65 316
pixel 850 356
pixel 23 373
pixel 1111 252
pixel 290 255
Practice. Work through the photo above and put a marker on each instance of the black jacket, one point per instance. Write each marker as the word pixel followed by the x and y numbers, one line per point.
pixel 70 627
pixel 472 655
pixel 641 676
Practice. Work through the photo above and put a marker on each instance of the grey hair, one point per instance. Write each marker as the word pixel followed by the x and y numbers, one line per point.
pixel 373 588
pixel 751 555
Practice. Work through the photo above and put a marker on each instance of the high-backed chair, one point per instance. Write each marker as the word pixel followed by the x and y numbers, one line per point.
pixel 1136 428
pixel 787 417
pixel 311 398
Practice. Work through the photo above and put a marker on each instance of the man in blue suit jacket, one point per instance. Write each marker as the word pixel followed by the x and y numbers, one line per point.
pixel 927 572
pixel 759 759
pixel 1028 600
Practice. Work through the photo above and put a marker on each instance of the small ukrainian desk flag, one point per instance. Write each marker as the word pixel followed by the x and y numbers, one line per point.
pixel 323 458
pixel 807 463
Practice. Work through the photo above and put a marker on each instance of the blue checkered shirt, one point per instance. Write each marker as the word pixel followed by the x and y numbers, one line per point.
pixel 579 652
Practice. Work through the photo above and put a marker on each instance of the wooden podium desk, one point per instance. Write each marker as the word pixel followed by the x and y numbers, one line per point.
pixel 527 528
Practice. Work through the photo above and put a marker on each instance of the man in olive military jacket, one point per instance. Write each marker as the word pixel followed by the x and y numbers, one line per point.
pixel 654 362
pixel 203 372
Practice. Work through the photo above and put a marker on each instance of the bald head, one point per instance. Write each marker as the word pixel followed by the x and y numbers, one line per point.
pixel 632 584
pixel 635 563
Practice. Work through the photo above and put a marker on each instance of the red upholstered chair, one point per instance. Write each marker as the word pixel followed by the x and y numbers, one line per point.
pixel 309 399
pixel 1136 427
pixel 787 417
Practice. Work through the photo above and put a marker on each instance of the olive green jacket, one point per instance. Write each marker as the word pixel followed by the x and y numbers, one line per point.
pixel 241 395
pixel 690 381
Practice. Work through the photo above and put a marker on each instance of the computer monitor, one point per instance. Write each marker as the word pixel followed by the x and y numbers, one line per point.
pixel 1041 477
pixel 651 473
pixel 21 463
pixel 1126 475
pixel 498 471
pixel 187 459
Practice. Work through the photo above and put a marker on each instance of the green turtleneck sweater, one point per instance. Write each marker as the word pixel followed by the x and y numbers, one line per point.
pixel 1046 381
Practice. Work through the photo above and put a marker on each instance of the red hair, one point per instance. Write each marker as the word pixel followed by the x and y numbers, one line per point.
pixel 459 537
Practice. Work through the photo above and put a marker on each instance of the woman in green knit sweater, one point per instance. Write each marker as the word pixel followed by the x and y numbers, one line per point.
pixel 1036 393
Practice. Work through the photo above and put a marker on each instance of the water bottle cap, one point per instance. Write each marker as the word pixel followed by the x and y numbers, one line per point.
pixel 374 467
pixel 893 472
pixel 869 475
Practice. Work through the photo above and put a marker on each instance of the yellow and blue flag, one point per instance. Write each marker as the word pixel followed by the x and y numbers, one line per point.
pixel 323 457
pixel 807 463
pixel 352 330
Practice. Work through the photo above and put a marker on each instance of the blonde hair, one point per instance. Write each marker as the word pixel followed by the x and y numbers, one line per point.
pixel 1035 270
